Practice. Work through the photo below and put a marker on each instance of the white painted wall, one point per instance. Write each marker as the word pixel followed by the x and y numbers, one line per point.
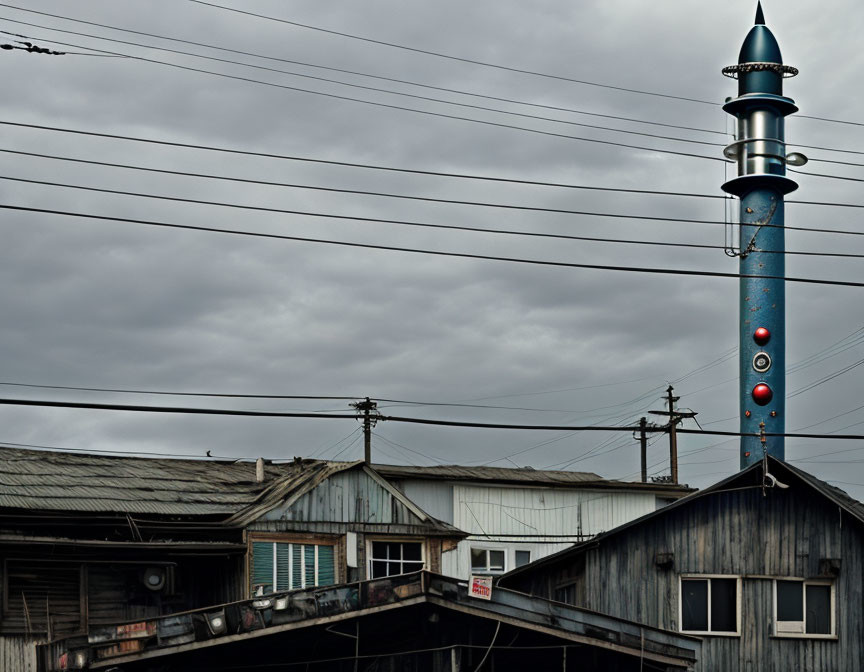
pixel 489 512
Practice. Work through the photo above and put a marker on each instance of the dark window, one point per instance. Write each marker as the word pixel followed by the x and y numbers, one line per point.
pixel 724 596
pixel 803 607
pixel 818 621
pixel 709 605
pixel 390 558
pixel 694 605
pixel 487 560
pixel 566 594
pixel 790 601
pixel 523 558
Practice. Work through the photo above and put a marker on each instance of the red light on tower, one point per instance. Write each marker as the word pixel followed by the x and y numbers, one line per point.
pixel 761 336
pixel 762 394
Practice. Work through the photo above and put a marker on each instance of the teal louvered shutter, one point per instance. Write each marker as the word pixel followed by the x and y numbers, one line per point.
pixel 262 566
pixel 283 566
pixel 326 566
pixel 309 553
pixel 297 550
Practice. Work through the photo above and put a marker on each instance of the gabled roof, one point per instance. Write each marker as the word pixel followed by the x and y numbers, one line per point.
pixel 522 476
pixel 752 476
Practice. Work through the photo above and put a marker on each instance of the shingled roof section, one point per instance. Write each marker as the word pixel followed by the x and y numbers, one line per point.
pixel 70 482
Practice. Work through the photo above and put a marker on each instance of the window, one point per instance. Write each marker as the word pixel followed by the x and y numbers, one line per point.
pixel 709 605
pixel 286 566
pixel 389 558
pixel 522 558
pixel 803 608
pixel 485 560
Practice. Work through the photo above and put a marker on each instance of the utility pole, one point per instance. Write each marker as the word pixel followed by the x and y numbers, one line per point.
pixel 643 447
pixel 761 185
pixel 367 407
pixel 675 417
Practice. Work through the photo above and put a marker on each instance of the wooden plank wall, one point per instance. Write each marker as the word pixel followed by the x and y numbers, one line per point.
pixel 737 533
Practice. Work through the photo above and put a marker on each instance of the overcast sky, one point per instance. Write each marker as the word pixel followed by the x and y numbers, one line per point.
pixel 90 303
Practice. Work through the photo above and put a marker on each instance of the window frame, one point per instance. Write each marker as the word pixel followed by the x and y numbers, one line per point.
pixel 804 634
pixel 516 565
pixel 709 577
pixel 370 544
pixel 304 540
pixel 488 569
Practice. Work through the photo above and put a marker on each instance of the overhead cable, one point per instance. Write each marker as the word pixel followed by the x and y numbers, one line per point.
pixel 460 255
pixel 328 68
pixel 432 53
pixel 392 418
pixel 451 57
pixel 394 169
pixel 450 227
pixel 352 85
pixel 402 108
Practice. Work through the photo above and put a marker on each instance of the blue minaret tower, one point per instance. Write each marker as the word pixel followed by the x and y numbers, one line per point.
pixel 760 151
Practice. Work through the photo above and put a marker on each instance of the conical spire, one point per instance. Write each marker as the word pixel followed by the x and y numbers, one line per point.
pixel 760 17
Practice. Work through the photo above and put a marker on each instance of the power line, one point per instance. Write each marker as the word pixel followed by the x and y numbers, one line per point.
pixel 825 175
pixel 460 255
pixel 832 376
pixel 361 86
pixel 402 108
pixel 332 69
pixel 451 227
pixel 428 199
pixel 452 58
pixel 491 65
pixel 407 171
pixel 391 418
pixel 180 394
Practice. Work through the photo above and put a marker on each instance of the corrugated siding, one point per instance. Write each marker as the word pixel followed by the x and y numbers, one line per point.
pixel 349 496
pixel 735 533
pixel 434 497
pixel 18 654
pixel 483 510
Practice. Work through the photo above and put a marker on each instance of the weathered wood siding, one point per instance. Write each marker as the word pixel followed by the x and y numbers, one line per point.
pixel 347 497
pixel 735 533
pixel 18 653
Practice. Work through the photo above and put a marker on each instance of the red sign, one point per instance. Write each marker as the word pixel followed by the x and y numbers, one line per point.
pixel 480 587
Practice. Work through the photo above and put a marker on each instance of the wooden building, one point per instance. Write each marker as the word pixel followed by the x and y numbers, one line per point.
pixel 766 566
pixel 516 516
pixel 89 540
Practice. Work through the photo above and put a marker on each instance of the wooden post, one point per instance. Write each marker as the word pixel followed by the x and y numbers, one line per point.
pixel 643 452
pixel 673 434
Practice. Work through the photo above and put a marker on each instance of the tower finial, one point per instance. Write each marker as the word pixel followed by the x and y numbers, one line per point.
pixel 760 17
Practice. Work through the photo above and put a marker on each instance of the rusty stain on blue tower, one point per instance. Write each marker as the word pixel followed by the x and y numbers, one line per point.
pixel 760 152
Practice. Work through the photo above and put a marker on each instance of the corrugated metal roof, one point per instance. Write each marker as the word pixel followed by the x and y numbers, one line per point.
pixel 526 475
pixel 58 481
pixel 458 472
